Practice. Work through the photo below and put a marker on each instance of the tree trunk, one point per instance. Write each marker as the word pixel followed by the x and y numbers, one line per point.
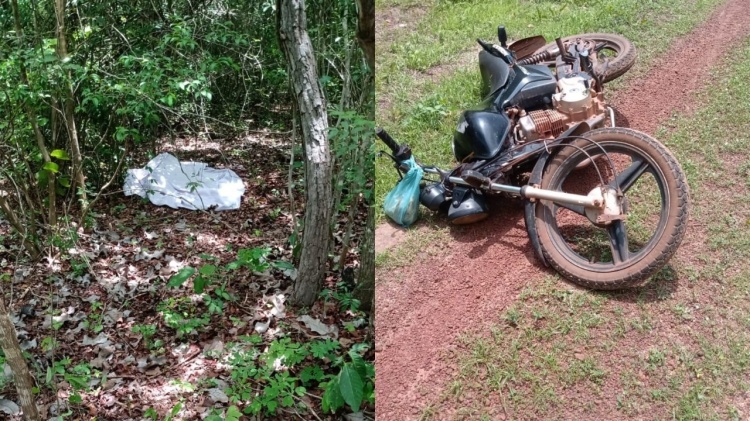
pixel 68 109
pixel 20 227
pixel 350 221
pixel 365 291
pixel 314 121
pixel 366 30
pixel 52 197
pixel 21 375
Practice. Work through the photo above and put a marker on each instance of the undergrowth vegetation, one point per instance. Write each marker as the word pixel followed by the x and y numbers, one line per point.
pixel 128 311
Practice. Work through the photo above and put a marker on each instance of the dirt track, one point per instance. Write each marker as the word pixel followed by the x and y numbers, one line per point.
pixel 424 308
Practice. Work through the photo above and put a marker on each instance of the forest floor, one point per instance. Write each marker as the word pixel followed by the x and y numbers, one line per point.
pixel 470 325
pixel 114 330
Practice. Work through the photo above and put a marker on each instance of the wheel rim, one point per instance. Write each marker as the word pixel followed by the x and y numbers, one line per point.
pixel 616 246
pixel 605 50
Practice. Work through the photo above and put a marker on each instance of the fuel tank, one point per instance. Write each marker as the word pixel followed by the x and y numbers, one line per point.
pixel 481 134
pixel 529 88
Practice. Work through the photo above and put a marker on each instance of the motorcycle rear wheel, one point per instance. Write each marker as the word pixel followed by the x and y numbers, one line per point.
pixel 623 253
pixel 617 49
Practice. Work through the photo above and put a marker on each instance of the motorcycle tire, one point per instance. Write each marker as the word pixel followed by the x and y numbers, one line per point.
pixel 656 200
pixel 617 66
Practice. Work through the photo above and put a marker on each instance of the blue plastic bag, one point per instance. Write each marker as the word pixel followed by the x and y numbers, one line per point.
pixel 402 203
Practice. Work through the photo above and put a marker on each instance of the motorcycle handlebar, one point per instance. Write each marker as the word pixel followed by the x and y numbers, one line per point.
pixel 387 139
pixel 400 152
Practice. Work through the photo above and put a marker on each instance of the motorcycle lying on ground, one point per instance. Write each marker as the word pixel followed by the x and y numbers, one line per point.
pixel 606 207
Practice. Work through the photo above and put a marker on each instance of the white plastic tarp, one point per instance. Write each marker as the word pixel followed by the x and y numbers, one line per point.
pixel 191 185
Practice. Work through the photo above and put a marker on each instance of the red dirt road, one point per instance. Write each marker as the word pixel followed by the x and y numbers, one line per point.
pixel 422 309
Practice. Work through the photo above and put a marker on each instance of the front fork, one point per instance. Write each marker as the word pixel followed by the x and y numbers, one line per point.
pixel 602 205
pixel 594 200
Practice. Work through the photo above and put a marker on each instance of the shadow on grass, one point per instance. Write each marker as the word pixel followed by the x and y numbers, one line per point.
pixel 659 287
pixel 505 227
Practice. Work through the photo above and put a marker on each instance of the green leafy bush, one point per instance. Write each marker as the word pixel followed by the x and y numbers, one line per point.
pixel 280 376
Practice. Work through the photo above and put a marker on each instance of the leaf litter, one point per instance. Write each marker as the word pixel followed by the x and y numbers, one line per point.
pixel 75 312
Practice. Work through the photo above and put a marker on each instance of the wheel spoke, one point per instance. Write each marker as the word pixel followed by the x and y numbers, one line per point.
pixel 618 241
pixel 630 175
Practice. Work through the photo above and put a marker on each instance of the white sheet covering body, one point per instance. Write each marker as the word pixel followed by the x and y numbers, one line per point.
pixel 190 185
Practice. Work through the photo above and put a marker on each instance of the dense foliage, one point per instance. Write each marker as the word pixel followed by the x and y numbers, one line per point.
pixel 123 74
pixel 89 88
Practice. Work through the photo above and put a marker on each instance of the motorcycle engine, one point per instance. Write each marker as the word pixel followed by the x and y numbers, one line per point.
pixel 575 101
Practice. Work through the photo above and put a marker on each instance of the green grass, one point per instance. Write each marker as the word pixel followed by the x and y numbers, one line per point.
pixel 677 348
pixel 425 242
pixel 422 112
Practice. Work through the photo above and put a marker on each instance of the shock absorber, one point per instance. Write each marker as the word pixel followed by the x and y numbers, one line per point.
pixel 536 58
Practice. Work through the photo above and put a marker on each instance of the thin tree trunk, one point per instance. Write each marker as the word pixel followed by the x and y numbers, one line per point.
pixel 51 195
pixel 348 231
pixel 290 177
pixel 343 105
pixel 68 109
pixel 314 121
pixel 11 216
pixel 365 290
pixel 21 375
pixel 359 159
pixel 366 30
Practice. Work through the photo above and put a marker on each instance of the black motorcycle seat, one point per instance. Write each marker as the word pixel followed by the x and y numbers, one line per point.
pixel 494 71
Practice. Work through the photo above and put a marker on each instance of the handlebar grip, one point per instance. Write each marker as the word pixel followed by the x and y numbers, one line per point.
pixel 387 139
pixel 502 36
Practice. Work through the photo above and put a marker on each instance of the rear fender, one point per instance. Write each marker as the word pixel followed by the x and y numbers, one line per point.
pixel 527 46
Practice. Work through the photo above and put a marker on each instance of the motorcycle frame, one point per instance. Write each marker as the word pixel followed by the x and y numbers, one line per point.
pixel 528 192
pixel 538 155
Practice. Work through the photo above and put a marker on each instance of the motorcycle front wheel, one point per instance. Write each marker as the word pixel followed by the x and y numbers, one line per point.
pixel 622 253
pixel 615 54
